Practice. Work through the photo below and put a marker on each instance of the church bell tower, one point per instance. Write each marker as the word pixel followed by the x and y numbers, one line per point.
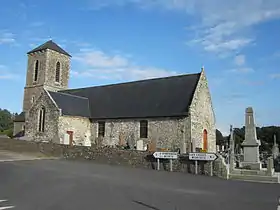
pixel 48 68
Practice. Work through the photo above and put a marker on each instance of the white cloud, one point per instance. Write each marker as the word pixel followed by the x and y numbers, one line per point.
pixel 222 27
pixel 6 37
pixel 275 76
pixel 240 60
pixel 276 54
pixel 100 65
pixel 99 59
pixel 2 67
pixel 242 70
pixel 37 24
pixel 5 74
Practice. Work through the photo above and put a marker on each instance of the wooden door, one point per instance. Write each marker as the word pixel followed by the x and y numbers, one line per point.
pixel 70 137
pixel 205 140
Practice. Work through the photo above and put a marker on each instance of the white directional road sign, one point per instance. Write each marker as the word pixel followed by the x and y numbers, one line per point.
pixel 2 206
pixel 166 155
pixel 202 156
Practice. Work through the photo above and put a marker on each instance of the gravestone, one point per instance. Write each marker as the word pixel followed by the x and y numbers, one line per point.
pixel 275 149
pixel 140 145
pixel 251 144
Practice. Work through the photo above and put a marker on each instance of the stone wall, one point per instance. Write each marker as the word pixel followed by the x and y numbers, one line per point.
pixel 80 126
pixel 167 133
pixel 202 116
pixel 51 120
pixel 18 126
pixel 107 155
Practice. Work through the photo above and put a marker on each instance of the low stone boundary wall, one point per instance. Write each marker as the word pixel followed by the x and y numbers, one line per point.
pixel 107 155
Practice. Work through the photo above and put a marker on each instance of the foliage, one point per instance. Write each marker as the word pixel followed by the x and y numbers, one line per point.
pixel 219 138
pixel 6 122
pixel 264 134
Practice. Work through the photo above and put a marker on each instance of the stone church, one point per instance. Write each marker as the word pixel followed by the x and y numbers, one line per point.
pixel 168 113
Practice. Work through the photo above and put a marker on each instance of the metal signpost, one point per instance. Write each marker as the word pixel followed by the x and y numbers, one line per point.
pixel 196 156
pixel 165 155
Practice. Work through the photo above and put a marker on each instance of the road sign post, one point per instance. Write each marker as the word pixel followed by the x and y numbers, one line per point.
pixel 202 156
pixel 211 168
pixel 199 156
pixel 165 155
pixel 196 171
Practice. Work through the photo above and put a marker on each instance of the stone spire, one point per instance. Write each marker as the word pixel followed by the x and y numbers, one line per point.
pixel 250 129
pixel 275 149
pixel 231 157
pixel 251 143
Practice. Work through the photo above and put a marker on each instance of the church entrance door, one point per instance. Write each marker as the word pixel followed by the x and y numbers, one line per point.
pixel 205 140
pixel 70 133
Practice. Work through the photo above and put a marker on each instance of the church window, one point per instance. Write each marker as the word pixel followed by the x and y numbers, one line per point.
pixel 42 116
pixel 101 129
pixel 36 69
pixel 143 129
pixel 57 72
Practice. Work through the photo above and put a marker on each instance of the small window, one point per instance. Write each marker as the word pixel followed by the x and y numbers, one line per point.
pixel 36 69
pixel 143 129
pixel 57 72
pixel 42 116
pixel 33 99
pixel 101 129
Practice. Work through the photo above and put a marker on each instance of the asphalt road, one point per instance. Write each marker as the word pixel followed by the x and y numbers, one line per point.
pixel 71 185
pixel 12 156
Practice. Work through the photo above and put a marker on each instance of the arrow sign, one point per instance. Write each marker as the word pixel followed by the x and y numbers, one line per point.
pixel 202 156
pixel 166 155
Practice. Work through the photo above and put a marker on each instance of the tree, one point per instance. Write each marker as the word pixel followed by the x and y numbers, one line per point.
pixel 264 134
pixel 6 120
pixel 220 140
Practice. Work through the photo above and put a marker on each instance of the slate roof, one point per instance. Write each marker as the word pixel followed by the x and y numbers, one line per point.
pixel 20 117
pixel 50 45
pixel 71 105
pixel 162 97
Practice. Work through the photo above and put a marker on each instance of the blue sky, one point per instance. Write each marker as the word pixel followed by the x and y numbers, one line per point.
pixel 122 40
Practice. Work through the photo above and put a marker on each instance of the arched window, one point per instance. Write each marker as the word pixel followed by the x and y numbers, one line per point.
pixel 36 69
pixel 42 117
pixel 205 140
pixel 57 72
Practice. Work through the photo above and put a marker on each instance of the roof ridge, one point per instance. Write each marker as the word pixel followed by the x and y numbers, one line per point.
pixel 68 94
pixel 137 81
